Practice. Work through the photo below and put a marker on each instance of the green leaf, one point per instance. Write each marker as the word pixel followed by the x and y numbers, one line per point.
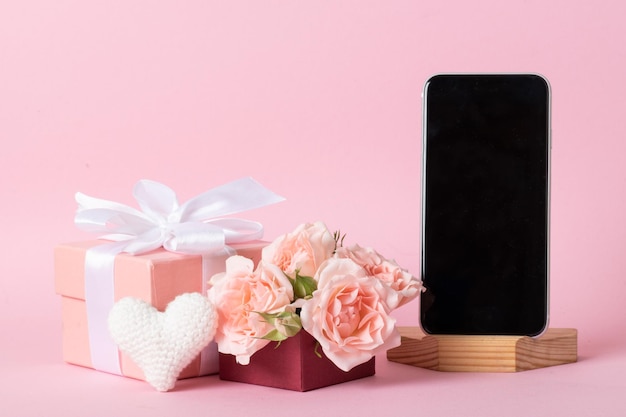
pixel 285 323
pixel 270 318
pixel 288 323
pixel 274 336
pixel 303 286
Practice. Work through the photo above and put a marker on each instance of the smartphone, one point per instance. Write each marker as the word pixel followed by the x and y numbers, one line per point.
pixel 485 204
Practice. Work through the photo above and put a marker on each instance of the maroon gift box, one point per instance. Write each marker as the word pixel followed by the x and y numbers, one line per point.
pixel 292 365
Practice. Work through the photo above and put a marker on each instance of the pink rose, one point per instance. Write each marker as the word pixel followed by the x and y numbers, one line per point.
pixel 240 292
pixel 301 251
pixel 405 285
pixel 348 315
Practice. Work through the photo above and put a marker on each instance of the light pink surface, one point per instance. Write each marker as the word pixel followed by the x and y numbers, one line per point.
pixel 319 101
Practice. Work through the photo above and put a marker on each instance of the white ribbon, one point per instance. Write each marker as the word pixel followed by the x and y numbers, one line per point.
pixel 196 227
pixel 99 299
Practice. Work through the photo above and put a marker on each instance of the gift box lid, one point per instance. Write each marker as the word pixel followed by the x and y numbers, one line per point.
pixel 156 276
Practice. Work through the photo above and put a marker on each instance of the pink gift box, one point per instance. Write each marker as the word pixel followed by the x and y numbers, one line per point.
pixel 293 365
pixel 156 277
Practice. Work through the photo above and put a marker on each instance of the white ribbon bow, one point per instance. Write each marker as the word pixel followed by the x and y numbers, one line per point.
pixel 194 227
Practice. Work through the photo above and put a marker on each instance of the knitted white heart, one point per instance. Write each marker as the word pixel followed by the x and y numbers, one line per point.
pixel 163 344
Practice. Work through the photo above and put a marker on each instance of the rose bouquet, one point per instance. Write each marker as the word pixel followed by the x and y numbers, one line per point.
pixel 307 280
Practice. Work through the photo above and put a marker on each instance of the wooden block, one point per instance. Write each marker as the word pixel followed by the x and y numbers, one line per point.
pixel 452 353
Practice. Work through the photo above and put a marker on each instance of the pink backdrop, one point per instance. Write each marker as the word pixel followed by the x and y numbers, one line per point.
pixel 319 101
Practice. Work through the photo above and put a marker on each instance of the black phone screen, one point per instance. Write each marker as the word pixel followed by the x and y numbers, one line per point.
pixel 485 204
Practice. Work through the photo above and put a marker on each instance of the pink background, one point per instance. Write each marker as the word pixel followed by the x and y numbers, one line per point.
pixel 319 101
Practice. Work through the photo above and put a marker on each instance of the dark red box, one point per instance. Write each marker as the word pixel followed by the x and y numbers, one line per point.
pixel 292 365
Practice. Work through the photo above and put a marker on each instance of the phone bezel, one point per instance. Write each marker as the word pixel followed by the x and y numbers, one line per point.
pixel 548 180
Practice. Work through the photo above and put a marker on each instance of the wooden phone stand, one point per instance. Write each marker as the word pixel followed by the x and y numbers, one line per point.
pixel 485 353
